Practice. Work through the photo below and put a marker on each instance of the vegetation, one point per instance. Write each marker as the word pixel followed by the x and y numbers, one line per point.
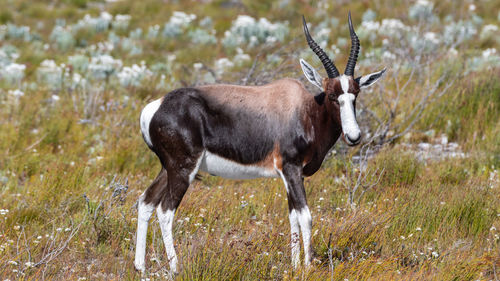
pixel 75 74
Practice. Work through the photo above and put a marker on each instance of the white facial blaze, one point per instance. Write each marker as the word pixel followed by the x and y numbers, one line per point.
pixel 350 126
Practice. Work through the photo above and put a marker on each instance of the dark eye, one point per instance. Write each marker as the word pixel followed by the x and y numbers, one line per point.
pixel 333 98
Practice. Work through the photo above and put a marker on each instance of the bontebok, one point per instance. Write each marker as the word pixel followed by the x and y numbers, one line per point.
pixel 276 130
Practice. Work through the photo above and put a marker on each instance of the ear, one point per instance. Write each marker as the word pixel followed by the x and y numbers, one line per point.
pixel 311 74
pixel 367 80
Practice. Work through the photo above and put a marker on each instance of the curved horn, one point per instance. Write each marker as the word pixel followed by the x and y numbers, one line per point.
pixel 330 68
pixel 353 57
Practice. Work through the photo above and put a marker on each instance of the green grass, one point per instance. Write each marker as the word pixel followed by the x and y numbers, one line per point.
pixel 425 220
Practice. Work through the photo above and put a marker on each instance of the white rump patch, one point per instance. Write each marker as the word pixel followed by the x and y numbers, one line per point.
pixel 146 116
pixel 222 167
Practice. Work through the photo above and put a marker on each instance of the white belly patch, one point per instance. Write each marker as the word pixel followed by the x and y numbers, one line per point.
pixel 222 167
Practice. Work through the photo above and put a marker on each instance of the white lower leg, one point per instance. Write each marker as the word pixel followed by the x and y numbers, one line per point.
pixel 144 214
pixel 295 238
pixel 305 221
pixel 166 219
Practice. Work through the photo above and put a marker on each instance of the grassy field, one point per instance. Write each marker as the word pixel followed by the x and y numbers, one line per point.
pixel 75 74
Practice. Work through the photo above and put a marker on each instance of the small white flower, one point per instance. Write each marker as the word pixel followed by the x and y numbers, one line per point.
pixel 435 254
pixel 453 52
pixel 198 65
pixel 59 229
pixel 472 7
pixel 418 229
pixel 16 93
pixel 67 229
pixel 388 55
pixel 12 262
pixel 493 228
pixel 489 52
pixel 222 64
pixel 431 37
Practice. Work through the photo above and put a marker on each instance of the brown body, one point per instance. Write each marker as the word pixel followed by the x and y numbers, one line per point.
pixel 283 100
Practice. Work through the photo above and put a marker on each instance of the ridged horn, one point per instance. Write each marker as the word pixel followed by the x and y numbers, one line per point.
pixel 330 68
pixel 353 56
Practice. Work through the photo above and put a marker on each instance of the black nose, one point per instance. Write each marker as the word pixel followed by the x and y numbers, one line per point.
pixel 354 141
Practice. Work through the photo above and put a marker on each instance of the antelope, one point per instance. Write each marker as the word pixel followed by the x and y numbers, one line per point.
pixel 244 132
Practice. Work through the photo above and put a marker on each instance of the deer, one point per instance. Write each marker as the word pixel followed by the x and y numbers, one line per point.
pixel 277 130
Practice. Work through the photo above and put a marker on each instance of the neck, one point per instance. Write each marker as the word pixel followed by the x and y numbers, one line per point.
pixel 325 122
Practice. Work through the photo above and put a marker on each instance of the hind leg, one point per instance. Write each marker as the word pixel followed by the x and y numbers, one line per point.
pixel 145 208
pixel 299 212
pixel 178 182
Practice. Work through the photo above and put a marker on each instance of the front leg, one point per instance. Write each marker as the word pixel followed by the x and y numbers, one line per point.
pixel 299 212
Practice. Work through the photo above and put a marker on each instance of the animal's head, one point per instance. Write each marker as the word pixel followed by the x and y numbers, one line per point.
pixel 341 90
